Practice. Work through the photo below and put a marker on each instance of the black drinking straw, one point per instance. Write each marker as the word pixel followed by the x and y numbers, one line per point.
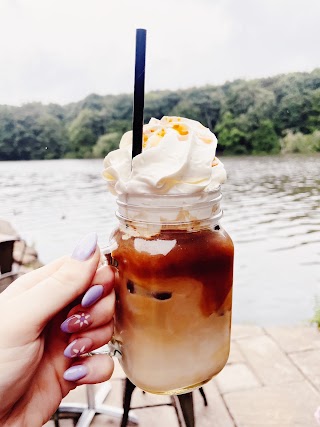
pixel 138 99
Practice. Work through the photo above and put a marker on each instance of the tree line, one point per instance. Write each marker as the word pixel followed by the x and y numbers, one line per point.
pixel 261 116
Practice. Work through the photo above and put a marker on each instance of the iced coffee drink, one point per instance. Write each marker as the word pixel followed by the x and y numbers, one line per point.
pixel 174 260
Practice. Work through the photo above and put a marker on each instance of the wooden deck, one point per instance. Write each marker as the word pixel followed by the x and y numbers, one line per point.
pixel 272 379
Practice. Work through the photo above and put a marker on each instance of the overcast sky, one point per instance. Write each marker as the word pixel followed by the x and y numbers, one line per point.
pixel 62 50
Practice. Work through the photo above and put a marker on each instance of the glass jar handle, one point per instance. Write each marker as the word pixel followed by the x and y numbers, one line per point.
pixel 112 349
pixel 108 249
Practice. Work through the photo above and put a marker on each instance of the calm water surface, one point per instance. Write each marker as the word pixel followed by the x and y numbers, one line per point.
pixel 271 210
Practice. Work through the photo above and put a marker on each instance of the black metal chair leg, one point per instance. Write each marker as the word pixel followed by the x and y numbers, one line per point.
pixel 55 419
pixel 129 387
pixel 204 396
pixel 186 404
pixel 185 401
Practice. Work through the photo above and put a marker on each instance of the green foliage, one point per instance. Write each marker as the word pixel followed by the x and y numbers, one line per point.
pixel 241 96
pixel 313 120
pixel 51 138
pixel 204 105
pixel 264 140
pixel 84 131
pixel 299 143
pixel 7 134
pixel 260 116
pixel 29 132
pixel 157 104
pixel 106 143
pixel 232 137
pixel 316 317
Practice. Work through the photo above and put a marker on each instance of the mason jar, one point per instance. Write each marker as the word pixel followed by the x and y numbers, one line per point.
pixel 174 273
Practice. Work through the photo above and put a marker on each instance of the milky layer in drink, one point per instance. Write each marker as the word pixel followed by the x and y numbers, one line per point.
pixel 178 157
pixel 173 322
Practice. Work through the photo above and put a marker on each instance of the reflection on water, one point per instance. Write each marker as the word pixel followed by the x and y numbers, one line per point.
pixel 271 210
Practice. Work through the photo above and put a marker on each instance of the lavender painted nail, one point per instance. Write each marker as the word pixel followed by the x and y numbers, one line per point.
pixel 85 248
pixel 92 295
pixel 76 322
pixel 78 347
pixel 75 373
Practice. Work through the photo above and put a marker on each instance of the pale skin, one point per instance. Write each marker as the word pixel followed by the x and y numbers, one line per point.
pixel 32 362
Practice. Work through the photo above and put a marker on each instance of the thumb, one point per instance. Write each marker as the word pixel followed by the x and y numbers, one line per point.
pixel 34 308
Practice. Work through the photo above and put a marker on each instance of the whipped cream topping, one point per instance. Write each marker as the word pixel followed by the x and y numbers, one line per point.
pixel 178 157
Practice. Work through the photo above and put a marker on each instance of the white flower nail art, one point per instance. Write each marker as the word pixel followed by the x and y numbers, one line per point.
pixel 78 351
pixel 82 319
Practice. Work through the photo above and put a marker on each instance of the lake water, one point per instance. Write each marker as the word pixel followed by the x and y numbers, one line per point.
pixel 271 210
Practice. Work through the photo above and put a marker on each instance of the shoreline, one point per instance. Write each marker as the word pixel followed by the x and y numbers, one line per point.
pixel 220 155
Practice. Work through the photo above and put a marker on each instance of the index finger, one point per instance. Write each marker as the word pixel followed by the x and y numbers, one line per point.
pixel 31 278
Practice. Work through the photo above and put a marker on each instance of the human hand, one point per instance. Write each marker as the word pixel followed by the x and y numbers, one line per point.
pixel 37 354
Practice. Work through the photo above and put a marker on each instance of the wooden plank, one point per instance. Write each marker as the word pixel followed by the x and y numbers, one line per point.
pixel 282 405
pixel 235 355
pixel 245 331
pixel 237 376
pixel 292 339
pixel 309 363
pixel 267 361
pixel 216 413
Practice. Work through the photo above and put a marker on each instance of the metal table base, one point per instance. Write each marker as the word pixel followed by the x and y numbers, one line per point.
pixel 94 406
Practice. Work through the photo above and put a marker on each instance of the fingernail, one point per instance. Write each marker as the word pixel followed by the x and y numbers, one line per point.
pixel 78 347
pixel 92 295
pixel 86 247
pixel 76 322
pixel 75 373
